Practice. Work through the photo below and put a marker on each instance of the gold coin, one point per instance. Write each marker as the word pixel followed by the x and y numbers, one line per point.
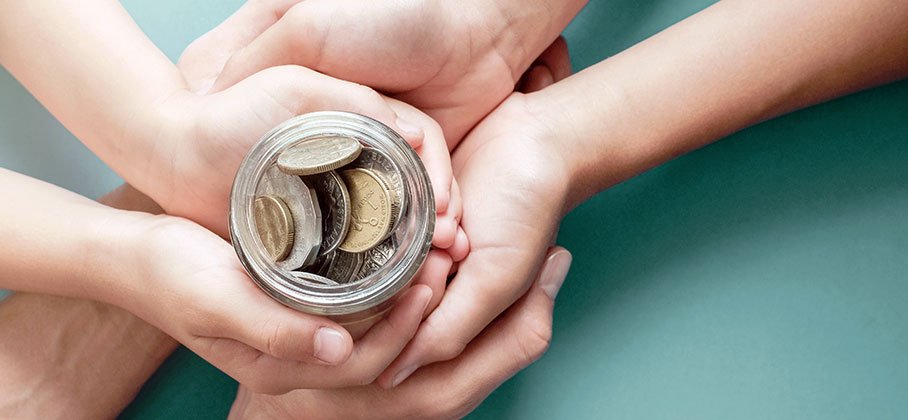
pixel 274 223
pixel 314 156
pixel 370 210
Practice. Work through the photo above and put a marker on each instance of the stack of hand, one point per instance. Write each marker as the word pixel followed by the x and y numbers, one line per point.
pixel 475 87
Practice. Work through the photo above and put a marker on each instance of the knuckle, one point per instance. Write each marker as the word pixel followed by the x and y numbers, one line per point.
pixel 276 333
pixel 370 95
pixel 443 344
pixel 361 378
pixel 261 382
pixel 533 341
pixel 453 405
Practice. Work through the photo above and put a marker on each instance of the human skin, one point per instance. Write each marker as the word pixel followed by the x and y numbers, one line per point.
pixel 93 364
pixel 92 67
pixel 539 155
pixel 76 358
pixel 455 61
pixel 180 277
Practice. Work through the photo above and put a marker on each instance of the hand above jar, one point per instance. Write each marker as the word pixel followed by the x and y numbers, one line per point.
pixel 180 148
pixel 453 60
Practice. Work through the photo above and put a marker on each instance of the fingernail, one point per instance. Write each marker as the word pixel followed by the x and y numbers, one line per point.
pixel 554 271
pixel 409 128
pixel 330 346
pixel 402 375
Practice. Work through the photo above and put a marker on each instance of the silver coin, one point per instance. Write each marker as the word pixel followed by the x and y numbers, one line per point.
pixel 345 266
pixel 375 258
pixel 322 265
pixel 380 163
pixel 307 218
pixel 334 202
pixel 318 222
pixel 313 278
pixel 317 155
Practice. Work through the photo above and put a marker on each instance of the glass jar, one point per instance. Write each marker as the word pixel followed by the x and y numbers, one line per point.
pixel 358 303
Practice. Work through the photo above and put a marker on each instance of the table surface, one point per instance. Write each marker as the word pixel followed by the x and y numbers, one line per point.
pixel 764 276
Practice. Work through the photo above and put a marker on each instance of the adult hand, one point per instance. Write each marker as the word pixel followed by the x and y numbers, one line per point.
pixel 444 390
pixel 454 60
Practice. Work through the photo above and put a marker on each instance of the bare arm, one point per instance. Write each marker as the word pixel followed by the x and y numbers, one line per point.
pixel 94 69
pixel 734 64
pixel 74 358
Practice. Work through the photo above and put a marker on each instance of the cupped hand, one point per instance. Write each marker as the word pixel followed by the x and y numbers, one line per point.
pixel 211 134
pixel 454 60
pixel 444 390
pixel 191 285
pixel 514 191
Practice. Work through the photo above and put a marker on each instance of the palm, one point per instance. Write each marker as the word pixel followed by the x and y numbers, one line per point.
pixel 513 192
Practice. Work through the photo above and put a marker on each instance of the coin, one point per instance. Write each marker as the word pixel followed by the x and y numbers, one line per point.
pixel 384 166
pixel 334 202
pixel 314 156
pixel 305 214
pixel 370 210
pixel 376 258
pixel 274 224
pixel 345 266
pixel 321 265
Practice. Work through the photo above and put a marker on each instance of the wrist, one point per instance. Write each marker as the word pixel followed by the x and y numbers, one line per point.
pixel 522 29
pixel 160 132
pixel 561 136
pixel 113 256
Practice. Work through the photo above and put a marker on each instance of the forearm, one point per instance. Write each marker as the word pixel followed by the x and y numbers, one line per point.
pixel 94 69
pixel 58 242
pixel 73 358
pixel 734 64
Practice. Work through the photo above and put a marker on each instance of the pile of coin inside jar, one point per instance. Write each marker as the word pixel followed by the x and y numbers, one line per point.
pixel 353 198
pixel 332 213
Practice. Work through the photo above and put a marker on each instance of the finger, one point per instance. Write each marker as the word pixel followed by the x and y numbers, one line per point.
pixel 269 375
pixel 278 331
pixel 557 58
pixel 204 59
pixel 433 274
pixel 448 223
pixel 461 247
pixel 433 152
pixel 482 289
pixel 514 341
pixel 295 38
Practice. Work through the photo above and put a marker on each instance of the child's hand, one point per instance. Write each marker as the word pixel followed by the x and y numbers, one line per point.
pixel 188 282
pixel 204 138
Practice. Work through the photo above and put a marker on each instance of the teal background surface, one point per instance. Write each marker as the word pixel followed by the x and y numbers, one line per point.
pixel 765 276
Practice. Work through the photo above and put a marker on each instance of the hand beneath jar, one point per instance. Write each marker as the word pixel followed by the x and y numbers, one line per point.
pixel 441 391
pixel 454 60
pixel 514 190
pixel 188 282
